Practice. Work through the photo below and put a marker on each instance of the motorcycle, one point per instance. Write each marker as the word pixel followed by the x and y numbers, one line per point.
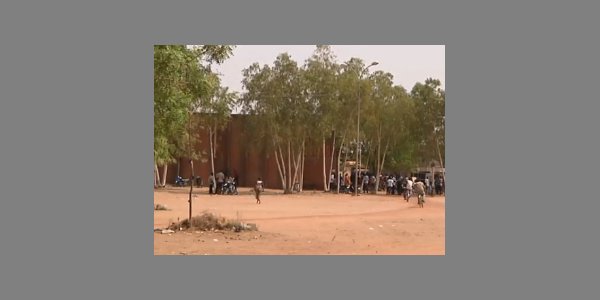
pixel 229 188
pixel 180 181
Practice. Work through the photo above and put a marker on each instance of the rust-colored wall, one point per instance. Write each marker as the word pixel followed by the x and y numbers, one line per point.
pixel 235 156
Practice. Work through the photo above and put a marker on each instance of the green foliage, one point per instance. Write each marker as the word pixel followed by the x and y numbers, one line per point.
pixel 288 103
pixel 276 96
pixel 429 126
pixel 180 84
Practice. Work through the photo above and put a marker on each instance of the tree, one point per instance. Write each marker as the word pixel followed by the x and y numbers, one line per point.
pixel 346 109
pixel 173 67
pixel 275 97
pixel 216 113
pixel 180 83
pixel 381 113
pixel 429 101
pixel 321 74
pixel 180 80
pixel 402 154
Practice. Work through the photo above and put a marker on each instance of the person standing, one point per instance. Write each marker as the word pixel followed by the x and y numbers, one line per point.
pixel 257 189
pixel 212 184
pixel 365 183
pixel 332 185
pixel 428 185
pixel 347 183
pixel 220 180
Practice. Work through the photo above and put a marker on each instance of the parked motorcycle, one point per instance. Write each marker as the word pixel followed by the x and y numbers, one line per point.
pixel 180 181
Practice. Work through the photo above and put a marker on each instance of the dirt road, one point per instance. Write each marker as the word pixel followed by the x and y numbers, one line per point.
pixel 311 223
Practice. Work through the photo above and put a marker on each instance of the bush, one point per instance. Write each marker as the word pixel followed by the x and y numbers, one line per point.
pixel 208 221
pixel 160 207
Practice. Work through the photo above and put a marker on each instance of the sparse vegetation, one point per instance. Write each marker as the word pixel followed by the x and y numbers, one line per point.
pixel 160 207
pixel 208 221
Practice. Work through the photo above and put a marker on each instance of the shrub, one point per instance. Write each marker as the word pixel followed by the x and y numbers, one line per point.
pixel 208 221
pixel 160 207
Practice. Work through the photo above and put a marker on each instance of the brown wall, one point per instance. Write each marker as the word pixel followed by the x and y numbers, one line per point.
pixel 235 156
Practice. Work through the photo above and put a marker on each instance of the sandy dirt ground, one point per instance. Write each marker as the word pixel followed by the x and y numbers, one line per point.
pixel 310 223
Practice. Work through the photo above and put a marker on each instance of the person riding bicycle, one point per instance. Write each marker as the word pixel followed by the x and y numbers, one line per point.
pixel 419 189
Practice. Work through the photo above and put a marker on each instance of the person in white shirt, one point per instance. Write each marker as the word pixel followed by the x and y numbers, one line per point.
pixel 408 190
pixel 428 185
pixel 390 184
pixel 257 189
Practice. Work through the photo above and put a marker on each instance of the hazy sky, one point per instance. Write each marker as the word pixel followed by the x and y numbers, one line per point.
pixel 409 64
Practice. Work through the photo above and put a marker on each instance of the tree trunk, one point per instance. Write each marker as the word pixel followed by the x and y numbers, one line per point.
pixel 339 171
pixel 281 175
pixel 156 176
pixel 178 166
pixel 289 183
pixel 441 162
pixel 212 151
pixel 366 162
pixel 302 167
pixel 384 154
pixel 379 166
pixel 296 167
pixel 283 167
pixel 164 177
pixel 331 163
pixel 325 181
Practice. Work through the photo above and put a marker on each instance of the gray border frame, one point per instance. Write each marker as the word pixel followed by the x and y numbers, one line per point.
pixel 76 126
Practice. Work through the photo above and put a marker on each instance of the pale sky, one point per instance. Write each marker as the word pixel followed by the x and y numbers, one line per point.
pixel 408 64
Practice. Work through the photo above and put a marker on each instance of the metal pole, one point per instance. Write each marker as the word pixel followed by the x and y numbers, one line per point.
pixel 357 138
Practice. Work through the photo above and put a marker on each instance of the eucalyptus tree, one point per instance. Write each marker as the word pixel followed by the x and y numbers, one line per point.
pixel 321 74
pixel 215 114
pixel 174 68
pixel 403 153
pixel 429 99
pixel 346 109
pixel 381 123
pixel 275 98
pixel 181 81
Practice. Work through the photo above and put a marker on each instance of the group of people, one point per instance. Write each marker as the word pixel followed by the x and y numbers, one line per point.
pixel 366 182
pixel 392 184
pixel 401 185
pixel 222 184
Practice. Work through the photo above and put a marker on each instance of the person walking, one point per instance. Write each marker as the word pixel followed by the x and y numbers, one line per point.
pixel 257 189
pixel 409 188
pixel 390 185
